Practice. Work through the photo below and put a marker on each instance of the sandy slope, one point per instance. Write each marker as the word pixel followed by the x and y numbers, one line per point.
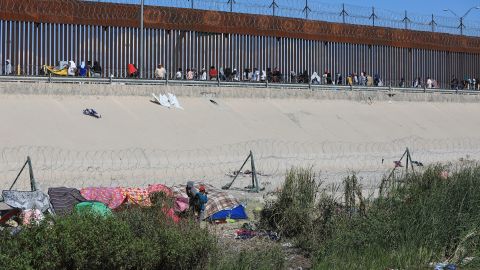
pixel 137 142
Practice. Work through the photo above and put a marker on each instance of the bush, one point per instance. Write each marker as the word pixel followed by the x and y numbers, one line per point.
pixel 291 213
pixel 137 238
pixel 428 219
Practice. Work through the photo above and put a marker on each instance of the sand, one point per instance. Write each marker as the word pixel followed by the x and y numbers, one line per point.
pixel 137 142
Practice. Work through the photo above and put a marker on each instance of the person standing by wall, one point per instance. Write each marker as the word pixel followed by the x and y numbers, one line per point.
pixel 8 67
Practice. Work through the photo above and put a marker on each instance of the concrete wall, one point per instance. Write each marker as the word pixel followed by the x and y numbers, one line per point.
pixel 226 92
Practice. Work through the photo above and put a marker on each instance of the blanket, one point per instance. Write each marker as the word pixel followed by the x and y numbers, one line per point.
pixel 217 199
pixel 112 197
pixel 64 199
pixel 27 200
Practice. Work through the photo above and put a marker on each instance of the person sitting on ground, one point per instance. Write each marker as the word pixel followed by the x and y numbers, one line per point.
pixel 132 71
pixel 315 79
pixel 263 76
pixel 228 74
pixel 277 75
pixel 369 81
pixel 402 83
pixel 417 83
pixel 254 75
pixel 355 78
pixel 429 83
pixel 454 83
pixel 82 70
pixel 213 73
pixel 350 80
pixel 8 67
pixel 190 74
pixel 303 78
pixel 203 75
pixel 179 74
pixel 72 68
pixel 269 74
pixel 97 69
pixel 363 79
pixel 246 74
pixel 236 78
pixel 160 72
pixel 221 74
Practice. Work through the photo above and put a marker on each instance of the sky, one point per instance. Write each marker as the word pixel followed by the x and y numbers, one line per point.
pixel 421 6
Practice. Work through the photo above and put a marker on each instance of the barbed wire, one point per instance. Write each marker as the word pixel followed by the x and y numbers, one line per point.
pixel 322 11
pixel 55 166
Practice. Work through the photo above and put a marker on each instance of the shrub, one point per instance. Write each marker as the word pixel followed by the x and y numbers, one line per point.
pixel 426 219
pixel 137 238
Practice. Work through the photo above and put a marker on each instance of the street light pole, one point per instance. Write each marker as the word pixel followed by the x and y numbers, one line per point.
pixel 141 40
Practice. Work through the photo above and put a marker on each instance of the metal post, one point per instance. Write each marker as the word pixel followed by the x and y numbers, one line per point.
pixel 33 185
pixel 461 26
pixel 343 13
pixel 273 6
pixel 141 40
pixel 433 23
pixel 373 16
pixel 231 2
pixel 406 20
pixel 255 186
pixel 307 9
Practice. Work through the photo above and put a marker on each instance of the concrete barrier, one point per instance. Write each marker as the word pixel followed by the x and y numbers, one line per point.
pixel 228 92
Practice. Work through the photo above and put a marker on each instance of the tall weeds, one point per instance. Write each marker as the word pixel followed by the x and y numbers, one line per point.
pixel 428 218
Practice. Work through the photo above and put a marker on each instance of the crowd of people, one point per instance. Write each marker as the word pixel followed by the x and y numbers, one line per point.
pixel 256 75
pixel 84 70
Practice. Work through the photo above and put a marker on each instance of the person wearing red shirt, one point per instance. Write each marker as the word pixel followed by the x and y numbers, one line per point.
pixel 213 73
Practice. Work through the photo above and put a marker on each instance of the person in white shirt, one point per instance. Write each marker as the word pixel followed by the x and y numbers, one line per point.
pixel 203 75
pixel 179 75
pixel 429 83
pixel 160 72
pixel 263 77
pixel 8 67
pixel 71 68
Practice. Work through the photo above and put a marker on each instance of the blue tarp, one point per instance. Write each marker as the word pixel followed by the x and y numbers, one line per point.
pixel 238 212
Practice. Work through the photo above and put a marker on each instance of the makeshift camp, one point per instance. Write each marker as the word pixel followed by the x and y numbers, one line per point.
pixel 218 200
pixel 237 212
pixel 64 199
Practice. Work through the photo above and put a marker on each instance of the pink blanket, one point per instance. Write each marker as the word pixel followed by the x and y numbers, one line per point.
pixel 112 197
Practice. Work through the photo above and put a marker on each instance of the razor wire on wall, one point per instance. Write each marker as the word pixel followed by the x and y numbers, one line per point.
pixel 55 166
pixel 322 11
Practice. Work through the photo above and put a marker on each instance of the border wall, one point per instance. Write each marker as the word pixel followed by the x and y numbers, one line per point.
pixel 34 33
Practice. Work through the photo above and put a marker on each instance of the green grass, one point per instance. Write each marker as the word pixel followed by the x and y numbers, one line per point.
pixel 425 219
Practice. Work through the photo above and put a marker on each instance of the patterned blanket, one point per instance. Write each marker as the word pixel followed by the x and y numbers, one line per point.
pixel 217 199
pixel 115 197
pixel 112 197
